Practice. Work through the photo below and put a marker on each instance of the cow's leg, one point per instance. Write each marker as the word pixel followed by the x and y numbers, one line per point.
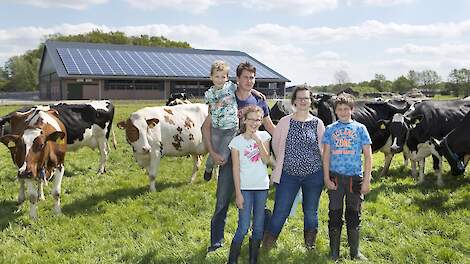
pixel 103 146
pixel 41 190
pixel 33 198
pixel 421 170
pixel 197 163
pixel 21 195
pixel 466 158
pixel 413 169
pixel 153 168
pixel 58 174
pixel 437 165
pixel 387 160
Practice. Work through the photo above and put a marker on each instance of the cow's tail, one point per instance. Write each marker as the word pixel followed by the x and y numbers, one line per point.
pixel 114 140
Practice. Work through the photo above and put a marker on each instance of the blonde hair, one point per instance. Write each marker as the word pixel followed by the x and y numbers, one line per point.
pixel 246 110
pixel 219 65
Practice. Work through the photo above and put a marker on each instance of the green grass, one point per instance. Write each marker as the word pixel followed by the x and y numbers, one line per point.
pixel 112 218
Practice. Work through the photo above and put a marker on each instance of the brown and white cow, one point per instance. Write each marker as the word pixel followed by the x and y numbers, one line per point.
pixel 154 132
pixel 38 148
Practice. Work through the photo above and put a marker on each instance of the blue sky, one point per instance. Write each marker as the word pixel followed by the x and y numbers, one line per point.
pixel 305 40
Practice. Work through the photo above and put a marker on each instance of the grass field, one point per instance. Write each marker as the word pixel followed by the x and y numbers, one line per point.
pixel 112 218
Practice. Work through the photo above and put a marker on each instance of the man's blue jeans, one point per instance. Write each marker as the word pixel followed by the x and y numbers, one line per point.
pixel 254 201
pixel 286 191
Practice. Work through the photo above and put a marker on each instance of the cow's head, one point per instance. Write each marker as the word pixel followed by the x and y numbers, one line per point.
pixel 137 132
pixel 31 149
pixel 457 165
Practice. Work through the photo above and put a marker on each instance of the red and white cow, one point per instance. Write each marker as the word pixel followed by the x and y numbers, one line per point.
pixel 154 132
pixel 38 148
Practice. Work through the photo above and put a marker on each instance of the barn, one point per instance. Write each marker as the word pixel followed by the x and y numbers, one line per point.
pixel 72 70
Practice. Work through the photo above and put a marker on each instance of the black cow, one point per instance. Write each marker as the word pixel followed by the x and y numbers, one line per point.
pixel 177 98
pixel 426 120
pixel 369 113
pixel 455 146
pixel 280 109
pixel 86 124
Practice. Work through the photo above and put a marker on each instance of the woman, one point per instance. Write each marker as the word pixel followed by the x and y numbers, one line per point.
pixel 296 144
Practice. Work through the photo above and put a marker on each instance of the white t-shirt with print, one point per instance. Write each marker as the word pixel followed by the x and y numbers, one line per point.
pixel 253 172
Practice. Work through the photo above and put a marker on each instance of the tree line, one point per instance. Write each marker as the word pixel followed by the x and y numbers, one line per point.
pixel 457 83
pixel 20 73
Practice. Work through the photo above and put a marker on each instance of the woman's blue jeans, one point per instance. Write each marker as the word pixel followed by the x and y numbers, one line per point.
pixel 254 201
pixel 286 191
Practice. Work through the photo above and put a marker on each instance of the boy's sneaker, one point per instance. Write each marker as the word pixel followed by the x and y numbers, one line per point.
pixel 207 175
pixel 214 247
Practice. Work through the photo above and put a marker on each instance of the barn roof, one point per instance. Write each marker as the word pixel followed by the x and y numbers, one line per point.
pixel 74 59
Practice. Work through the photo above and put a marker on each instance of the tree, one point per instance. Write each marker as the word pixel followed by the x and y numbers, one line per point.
pixel 341 77
pixel 460 80
pixel 379 82
pixel 402 84
pixel 22 74
pixel 413 77
pixel 429 79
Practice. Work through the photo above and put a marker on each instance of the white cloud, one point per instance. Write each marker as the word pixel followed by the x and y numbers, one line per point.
pixel 194 6
pixel 301 7
pixel 75 4
pixel 387 2
pixel 442 50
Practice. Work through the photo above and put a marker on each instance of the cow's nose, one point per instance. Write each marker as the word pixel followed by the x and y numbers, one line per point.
pixel 146 148
pixel 395 149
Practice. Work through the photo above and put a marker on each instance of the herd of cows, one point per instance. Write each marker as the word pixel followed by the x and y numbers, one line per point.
pixel 38 137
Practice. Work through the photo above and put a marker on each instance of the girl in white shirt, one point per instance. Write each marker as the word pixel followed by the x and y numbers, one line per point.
pixel 250 156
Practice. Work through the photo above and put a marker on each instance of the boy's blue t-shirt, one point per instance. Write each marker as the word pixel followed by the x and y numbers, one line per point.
pixel 252 100
pixel 346 141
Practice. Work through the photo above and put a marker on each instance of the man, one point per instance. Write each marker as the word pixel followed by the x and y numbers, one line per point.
pixel 225 188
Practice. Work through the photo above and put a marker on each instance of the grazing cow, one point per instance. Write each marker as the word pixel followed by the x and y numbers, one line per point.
pixel 423 121
pixel 38 149
pixel 157 131
pixel 87 125
pixel 369 113
pixel 177 98
pixel 280 109
pixel 455 146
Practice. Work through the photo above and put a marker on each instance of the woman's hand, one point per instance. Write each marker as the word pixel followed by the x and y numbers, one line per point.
pixel 331 185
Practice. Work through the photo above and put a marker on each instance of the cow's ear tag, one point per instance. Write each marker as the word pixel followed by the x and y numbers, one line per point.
pixel 382 126
pixel 60 141
pixel 152 125
pixel 11 144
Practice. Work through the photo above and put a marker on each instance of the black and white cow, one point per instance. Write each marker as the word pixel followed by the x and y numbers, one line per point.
pixel 87 125
pixel 455 146
pixel 369 113
pixel 423 121
pixel 177 98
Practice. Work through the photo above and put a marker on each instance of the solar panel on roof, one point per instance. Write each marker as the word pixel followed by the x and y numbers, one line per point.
pixel 104 62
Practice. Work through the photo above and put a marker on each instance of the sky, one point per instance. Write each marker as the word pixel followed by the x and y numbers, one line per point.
pixel 307 41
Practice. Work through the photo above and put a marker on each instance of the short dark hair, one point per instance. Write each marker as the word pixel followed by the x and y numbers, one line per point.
pixel 346 99
pixel 245 66
pixel 294 93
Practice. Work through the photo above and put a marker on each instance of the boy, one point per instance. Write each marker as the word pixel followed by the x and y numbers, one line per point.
pixel 344 140
pixel 223 109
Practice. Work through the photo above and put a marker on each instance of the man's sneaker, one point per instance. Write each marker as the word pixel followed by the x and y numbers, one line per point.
pixel 207 175
pixel 214 247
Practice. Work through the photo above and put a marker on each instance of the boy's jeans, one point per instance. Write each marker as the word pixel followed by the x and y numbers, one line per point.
pixel 220 138
pixel 225 188
pixel 286 191
pixel 254 201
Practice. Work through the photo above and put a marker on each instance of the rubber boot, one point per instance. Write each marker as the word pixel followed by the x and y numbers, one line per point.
pixel 234 253
pixel 335 240
pixel 254 250
pixel 353 240
pixel 269 240
pixel 309 238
